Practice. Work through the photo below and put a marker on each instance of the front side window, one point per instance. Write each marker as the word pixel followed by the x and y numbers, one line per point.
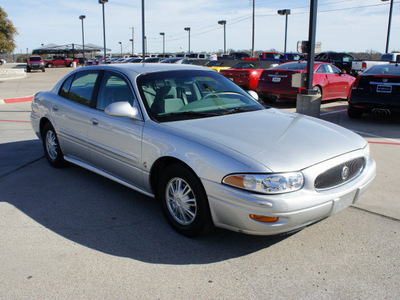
pixel 113 88
pixel 79 87
pixel 181 95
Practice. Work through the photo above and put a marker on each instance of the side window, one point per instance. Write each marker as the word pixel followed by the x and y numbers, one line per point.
pixel 329 69
pixel 335 69
pixel 113 88
pixel 321 69
pixel 347 58
pixel 82 87
pixel 65 87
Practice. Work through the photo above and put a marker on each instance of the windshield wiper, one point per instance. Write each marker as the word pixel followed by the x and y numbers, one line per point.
pixel 237 110
pixel 190 113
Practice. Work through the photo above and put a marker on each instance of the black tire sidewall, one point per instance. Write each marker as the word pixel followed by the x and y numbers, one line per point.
pixel 202 222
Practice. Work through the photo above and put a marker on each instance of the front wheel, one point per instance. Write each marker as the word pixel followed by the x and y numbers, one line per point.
pixel 184 201
pixel 51 147
pixel 49 65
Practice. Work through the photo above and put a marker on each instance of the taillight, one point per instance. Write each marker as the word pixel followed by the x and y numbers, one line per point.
pixel 363 65
pixel 356 82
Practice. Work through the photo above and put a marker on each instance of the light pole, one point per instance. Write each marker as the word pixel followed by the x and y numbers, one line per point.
pixel 163 35
pixel 285 12
pixel 143 33
pixel 188 30
pixel 131 40
pixel 223 22
pixel 389 24
pixel 82 17
pixel 102 2
pixel 121 48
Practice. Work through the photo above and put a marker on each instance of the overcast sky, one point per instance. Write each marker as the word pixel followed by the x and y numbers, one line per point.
pixel 342 25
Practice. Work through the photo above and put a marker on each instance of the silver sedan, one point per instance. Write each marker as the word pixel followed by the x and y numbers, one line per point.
pixel 205 148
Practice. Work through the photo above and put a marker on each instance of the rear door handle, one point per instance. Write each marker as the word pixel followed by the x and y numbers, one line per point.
pixel 54 108
pixel 94 122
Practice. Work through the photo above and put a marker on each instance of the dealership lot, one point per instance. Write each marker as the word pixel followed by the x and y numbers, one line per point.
pixel 72 234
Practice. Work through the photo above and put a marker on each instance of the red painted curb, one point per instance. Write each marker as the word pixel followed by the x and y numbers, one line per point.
pixel 16 100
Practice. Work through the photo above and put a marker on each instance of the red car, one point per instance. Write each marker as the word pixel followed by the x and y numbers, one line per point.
pixel 329 81
pixel 247 73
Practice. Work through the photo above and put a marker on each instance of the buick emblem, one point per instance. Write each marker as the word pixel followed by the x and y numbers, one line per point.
pixel 384 80
pixel 345 172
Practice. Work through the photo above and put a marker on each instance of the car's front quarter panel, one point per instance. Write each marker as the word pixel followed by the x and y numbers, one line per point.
pixel 231 207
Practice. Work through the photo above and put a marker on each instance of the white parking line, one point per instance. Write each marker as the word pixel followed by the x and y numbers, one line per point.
pixel 376 136
pixel 333 112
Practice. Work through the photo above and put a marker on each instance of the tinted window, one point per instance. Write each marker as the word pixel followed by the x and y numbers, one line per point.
pixel 383 70
pixel 81 89
pixel 35 58
pixel 113 88
pixel 65 87
pixel 347 58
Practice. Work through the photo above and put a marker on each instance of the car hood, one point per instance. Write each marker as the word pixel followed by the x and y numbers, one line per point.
pixel 281 141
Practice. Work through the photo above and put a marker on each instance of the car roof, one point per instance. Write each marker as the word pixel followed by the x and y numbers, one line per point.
pixel 141 68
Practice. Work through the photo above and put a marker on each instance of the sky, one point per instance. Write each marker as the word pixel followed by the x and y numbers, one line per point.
pixel 342 25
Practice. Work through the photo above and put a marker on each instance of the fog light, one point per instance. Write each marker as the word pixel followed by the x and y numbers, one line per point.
pixel 264 219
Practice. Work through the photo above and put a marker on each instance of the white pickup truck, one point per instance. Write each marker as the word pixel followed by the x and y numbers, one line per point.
pixel 359 66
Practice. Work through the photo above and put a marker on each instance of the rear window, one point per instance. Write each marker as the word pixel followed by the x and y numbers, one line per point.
pixel 35 58
pixel 384 70
pixel 292 66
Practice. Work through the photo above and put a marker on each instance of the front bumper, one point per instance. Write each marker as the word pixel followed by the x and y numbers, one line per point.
pixel 231 208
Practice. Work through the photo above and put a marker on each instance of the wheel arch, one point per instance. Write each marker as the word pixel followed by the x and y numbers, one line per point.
pixel 161 164
pixel 42 123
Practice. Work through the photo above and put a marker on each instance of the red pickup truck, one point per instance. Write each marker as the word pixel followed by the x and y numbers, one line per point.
pixel 60 61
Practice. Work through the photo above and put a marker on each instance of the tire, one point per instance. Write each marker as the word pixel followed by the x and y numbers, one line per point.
pixel 270 99
pixel 43 70
pixel 318 89
pixel 51 147
pixel 49 65
pixel 354 113
pixel 184 201
pixel 28 70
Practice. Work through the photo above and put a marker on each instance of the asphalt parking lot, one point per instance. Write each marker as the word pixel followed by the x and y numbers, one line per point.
pixel 69 233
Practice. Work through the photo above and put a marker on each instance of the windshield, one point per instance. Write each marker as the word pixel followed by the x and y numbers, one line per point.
pixel 188 94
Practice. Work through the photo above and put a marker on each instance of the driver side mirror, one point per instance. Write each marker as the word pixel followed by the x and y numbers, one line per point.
pixel 122 109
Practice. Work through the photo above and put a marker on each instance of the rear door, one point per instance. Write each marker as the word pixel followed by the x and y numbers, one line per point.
pixel 71 113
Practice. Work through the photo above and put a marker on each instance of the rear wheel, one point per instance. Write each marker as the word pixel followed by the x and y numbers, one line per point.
pixel 51 147
pixel 318 89
pixel 184 201
pixel 49 65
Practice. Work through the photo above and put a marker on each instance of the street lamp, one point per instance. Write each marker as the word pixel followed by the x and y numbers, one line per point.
pixel 82 17
pixel 389 24
pixel 121 47
pixel 188 30
pixel 102 2
pixel 285 12
pixel 223 22
pixel 163 35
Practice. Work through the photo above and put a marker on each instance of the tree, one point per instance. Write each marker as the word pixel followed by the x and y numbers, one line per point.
pixel 7 33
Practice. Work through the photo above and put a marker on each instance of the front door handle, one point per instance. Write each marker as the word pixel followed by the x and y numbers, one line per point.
pixel 94 122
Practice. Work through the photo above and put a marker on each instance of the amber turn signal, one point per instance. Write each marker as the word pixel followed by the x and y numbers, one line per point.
pixel 264 219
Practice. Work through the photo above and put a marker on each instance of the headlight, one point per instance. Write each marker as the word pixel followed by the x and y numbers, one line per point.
pixel 266 183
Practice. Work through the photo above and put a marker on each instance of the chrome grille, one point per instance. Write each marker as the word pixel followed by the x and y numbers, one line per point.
pixel 340 174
